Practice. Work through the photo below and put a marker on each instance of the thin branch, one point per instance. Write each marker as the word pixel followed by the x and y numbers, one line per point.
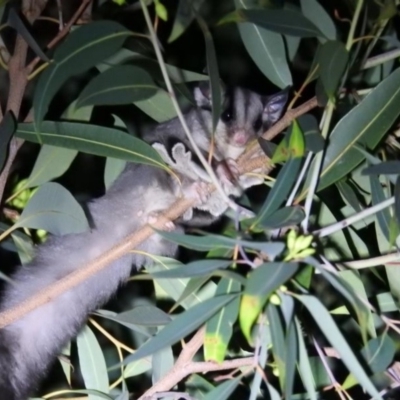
pixel 282 124
pixel 185 366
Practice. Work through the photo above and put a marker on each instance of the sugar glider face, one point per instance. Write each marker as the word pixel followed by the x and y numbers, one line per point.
pixel 245 116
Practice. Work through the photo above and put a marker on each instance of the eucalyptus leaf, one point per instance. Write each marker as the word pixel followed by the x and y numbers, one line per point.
pixel 383 168
pixel 366 123
pixel 210 242
pixel 51 163
pixel 83 48
pixel 337 340
pixel 145 316
pixel 187 9
pixel 267 277
pixel 92 362
pixel 181 326
pixel 93 139
pixel 223 391
pixel 212 67
pixel 193 269
pixel 122 84
pixel 282 186
pixel 313 10
pixel 284 21
pixel 219 328
pixel 267 50
pixel 332 58
pixel 54 209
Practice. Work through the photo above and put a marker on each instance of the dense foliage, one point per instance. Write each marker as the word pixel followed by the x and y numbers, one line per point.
pixel 301 301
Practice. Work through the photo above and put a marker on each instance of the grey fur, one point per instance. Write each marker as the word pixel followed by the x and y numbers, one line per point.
pixel 30 345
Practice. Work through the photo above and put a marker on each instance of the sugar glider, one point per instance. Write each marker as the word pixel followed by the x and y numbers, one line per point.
pixel 29 345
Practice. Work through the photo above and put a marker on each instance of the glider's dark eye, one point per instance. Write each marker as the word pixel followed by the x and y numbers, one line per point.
pixel 227 116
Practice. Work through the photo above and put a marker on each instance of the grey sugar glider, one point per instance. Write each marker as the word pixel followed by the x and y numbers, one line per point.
pixel 29 345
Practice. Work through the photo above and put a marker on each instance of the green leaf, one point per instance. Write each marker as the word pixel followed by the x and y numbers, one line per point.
pixel 319 17
pixel 187 9
pixel 332 57
pixel 14 21
pixel 281 189
pixel 162 362
pixel 92 362
pixel 83 48
pixel 210 242
pixel 377 196
pixel 177 288
pixel 195 268
pixel 112 170
pixel 93 139
pixel 219 327
pixel 309 126
pixel 212 68
pixel 125 56
pixel 304 366
pixel 278 341
pixel 267 50
pixel 51 163
pixel 290 359
pixel 383 168
pixel 223 391
pixel 123 84
pixel 161 10
pixel 159 107
pixel 396 195
pixel 54 209
pixel 181 326
pixel 335 337
pixel 379 353
pixel 144 316
pixel 349 195
pixel 366 123
pixel 284 21
pixel 261 283
pixel 286 216
pixel 8 126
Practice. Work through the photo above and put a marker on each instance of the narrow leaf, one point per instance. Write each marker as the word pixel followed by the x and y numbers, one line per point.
pixel 92 362
pixel 54 209
pixel 93 139
pixel 366 123
pixel 181 326
pixel 284 21
pixel 123 84
pixel 83 48
pixel 219 327
pixel 335 337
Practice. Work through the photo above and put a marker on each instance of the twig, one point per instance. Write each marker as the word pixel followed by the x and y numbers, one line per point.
pixel 282 124
pixel 185 366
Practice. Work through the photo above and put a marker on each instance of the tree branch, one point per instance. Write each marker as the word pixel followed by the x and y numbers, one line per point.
pixel 132 241
pixel 18 81
pixel 185 366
